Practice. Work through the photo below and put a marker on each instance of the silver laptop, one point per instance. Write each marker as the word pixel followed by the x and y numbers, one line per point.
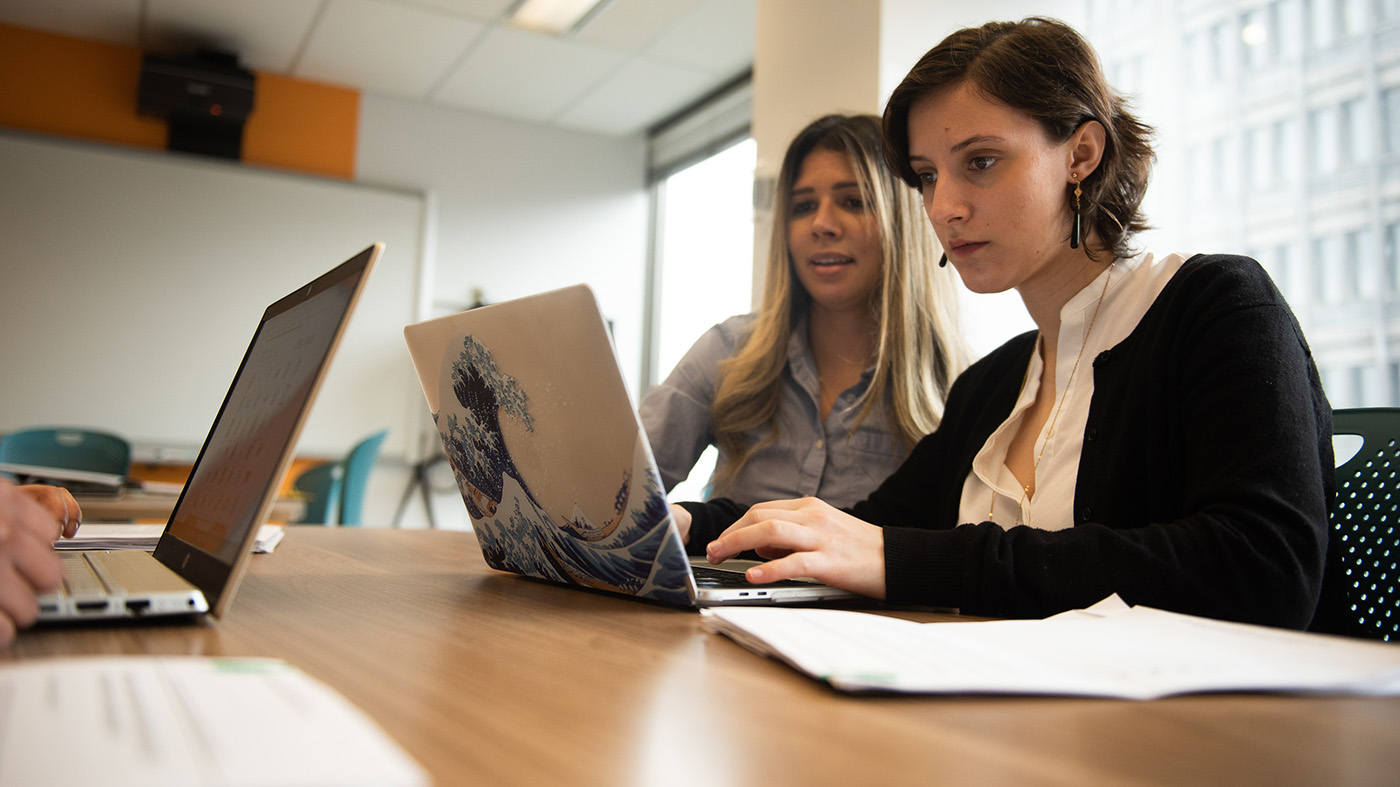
pixel 553 465
pixel 201 555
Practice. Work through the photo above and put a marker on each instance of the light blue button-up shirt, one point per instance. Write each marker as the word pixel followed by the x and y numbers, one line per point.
pixel 830 458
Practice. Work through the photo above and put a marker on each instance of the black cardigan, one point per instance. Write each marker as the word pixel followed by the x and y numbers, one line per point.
pixel 1203 487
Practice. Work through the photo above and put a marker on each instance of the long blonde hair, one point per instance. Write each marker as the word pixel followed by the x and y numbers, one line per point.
pixel 919 351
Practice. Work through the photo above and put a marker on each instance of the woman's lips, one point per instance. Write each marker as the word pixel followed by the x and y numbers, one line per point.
pixel 964 248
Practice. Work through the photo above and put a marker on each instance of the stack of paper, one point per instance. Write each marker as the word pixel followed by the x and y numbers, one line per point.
pixel 102 536
pixel 187 722
pixel 1108 650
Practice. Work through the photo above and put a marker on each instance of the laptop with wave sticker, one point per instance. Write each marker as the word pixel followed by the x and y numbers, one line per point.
pixel 551 460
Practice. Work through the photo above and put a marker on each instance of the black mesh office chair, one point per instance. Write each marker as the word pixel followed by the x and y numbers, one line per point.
pixel 1361 590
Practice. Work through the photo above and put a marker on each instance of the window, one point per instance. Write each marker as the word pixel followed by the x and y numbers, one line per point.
pixel 1390 109
pixel 701 269
pixel 1259 34
pixel 1325 140
pixel 1311 147
pixel 1356 132
pixel 1362 262
pixel 1288 147
pixel 1392 257
pixel 706 254
pixel 1322 23
pixel 1263 162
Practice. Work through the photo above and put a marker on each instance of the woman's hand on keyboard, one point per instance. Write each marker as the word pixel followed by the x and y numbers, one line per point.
pixel 807 538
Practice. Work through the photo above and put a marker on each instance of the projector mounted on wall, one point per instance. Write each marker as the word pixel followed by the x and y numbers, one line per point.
pixel 206 97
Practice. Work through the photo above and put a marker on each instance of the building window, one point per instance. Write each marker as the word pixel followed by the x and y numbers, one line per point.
pixel 1356 132
pixel 1324 131
pixel 1390 109
pixel 1322 23
pixel 1391 258
pixel 1362 261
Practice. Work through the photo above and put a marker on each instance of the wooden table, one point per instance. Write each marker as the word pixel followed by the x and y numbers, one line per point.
pixel 488 678
pixel 142 504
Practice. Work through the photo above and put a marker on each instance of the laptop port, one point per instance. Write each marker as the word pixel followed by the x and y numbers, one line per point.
pixel 91 606
pixel 138 607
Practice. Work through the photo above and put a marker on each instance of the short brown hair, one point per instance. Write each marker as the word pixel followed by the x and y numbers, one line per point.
pixel 1045 69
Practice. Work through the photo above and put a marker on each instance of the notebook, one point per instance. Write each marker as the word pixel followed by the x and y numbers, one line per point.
pixel 551 459
pixel 204 550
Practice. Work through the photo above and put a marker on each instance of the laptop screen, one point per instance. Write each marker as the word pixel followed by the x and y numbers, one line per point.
pixel 250 443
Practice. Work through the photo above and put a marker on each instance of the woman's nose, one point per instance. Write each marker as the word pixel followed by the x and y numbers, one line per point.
pixel 944 205
pixel 825 220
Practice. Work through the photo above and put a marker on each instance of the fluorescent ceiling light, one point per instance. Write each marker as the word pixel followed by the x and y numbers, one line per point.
pixel 554 17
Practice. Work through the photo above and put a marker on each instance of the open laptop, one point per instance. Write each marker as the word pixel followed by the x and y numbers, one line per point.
pixel 201 556
pixel 551 459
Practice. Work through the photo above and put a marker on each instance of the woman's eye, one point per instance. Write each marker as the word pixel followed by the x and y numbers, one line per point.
pixel 928 178
pixel 855 204
pixel 981 162
pixel 802 207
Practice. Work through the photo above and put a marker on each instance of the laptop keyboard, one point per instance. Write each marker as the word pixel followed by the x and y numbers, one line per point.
pixel 86 578
pixel 708 577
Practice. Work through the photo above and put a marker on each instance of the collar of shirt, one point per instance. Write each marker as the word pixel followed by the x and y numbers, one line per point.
pixel 802 365
pixel 1134 284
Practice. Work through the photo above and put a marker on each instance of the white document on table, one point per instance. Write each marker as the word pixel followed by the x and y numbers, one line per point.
pixel 123 536
pixel 186 722
pixel 1108 650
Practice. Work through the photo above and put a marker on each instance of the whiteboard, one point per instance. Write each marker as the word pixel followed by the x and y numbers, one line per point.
pixel 131 283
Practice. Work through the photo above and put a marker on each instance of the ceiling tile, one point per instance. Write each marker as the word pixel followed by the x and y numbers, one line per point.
pixel 639 94
pixel 525 75
pixel 114 21
pixel 631 25
pixel 384 48
pixel 485 10
pixel 265 34
pixel 717 36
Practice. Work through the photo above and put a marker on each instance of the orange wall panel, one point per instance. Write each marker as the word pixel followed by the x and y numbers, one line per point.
pixel 302 125
pixel 73 87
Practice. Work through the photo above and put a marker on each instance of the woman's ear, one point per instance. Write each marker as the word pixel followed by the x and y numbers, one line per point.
pixel 1086 146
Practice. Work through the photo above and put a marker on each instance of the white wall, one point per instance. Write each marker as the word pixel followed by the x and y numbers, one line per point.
pixel 519 209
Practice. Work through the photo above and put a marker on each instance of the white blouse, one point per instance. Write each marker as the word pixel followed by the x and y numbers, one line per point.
pixel 1133 284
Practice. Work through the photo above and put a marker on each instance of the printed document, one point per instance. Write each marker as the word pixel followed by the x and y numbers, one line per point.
pixel 186 722
pixel 1108 650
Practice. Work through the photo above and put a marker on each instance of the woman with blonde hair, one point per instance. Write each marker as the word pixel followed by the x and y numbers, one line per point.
pixel 844 367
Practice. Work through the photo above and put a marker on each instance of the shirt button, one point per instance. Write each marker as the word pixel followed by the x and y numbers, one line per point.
pixel 1091 435
pixel 1086 514
pixel 821 444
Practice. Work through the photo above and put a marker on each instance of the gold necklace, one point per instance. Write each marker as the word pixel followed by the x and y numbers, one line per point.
pixel 1055 417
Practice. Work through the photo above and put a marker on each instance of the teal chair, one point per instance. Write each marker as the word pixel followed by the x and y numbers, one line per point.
pixel 1361 584
pixel 72 449
pixel 319 488
pixel 357 471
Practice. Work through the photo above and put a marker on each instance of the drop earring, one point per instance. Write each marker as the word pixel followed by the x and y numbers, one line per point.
pixel 943 261
pixel 1077 229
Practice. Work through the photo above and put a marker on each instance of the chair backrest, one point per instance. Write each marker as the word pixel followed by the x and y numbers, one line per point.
pixel 1361 589
pixel 357 470
pixel 72 449
pixel 319 489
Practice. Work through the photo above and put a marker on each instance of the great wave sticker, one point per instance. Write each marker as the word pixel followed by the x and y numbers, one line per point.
pixel 490 431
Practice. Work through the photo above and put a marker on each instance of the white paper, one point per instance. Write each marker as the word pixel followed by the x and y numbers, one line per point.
pixel 111 536
pixel 189 722
pixel 1108 650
